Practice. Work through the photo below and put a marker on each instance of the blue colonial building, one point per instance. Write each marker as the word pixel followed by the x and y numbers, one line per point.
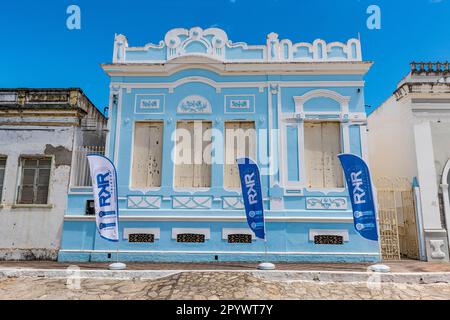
pixel 180 113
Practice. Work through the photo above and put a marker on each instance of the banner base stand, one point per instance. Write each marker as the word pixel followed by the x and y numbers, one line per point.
pixel 117 266
pixel 266 266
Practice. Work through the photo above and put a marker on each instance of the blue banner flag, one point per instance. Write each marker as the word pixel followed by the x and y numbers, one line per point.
pixel 359 183
pixel 104 184
pixel 253 198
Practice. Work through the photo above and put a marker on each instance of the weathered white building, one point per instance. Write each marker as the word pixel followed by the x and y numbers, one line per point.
pixel 409 136
pixel 42 132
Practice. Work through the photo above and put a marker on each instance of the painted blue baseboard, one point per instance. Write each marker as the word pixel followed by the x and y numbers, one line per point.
pixel 208 257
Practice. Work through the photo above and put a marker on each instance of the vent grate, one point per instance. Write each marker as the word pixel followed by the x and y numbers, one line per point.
pixel 191 238
pixel 239 238
pixel 141 238
pixel 328 239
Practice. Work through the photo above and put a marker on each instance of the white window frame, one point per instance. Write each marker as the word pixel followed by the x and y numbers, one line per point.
pixel 191 190
pixel 298 118
pixel 130 182
pixel 238 189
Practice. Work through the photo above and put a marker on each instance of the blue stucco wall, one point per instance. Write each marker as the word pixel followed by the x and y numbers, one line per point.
pixel 290 212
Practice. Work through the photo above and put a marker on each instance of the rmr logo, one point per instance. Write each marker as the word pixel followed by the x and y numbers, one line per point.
pixel 74 20
pixel 374 20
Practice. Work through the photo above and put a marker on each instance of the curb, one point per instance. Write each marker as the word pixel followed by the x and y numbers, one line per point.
pixel 280 276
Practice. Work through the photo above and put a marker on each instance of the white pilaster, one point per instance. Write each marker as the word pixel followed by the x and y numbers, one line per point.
pixel 435 235
pixel 427 176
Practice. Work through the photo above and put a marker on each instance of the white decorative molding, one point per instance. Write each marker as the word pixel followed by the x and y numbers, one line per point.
pixel 8 97
pixel 214 44
pixel 154 231
pixel 446 196
pixel 322 93
pixel 326 203
pixel 436 247
pixel 194 105
pixel 322 232
pixel 233 203
pixel 177 231
pixel 229 231
pixel 150 104
pixel 192 202
pixel 167 215
pixel 144 202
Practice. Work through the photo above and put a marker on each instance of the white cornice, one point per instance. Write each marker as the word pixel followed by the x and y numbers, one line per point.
pixel 242 218
pixel 223 85
pixel 296 68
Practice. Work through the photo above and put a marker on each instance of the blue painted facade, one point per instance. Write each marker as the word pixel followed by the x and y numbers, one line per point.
pixel 279 86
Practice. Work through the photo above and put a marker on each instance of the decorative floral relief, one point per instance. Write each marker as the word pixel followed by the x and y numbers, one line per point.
pixel 194 104
pixel 150 104
pixel 326 203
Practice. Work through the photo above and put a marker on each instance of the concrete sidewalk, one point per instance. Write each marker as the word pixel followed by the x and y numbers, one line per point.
pixel 413 272
pixel 405 266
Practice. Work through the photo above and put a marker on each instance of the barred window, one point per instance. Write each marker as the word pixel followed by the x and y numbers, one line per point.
pixel 191 238
pixel 240 238
pixel 141 238
pixel 2 174
pixel 328 239
pixel 34 182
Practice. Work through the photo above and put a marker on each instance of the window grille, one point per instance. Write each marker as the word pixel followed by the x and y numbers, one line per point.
pixel 328 239
pixel 191 238
pixel 239 238
pixel 141 238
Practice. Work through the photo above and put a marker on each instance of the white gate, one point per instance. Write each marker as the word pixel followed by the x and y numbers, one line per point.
pixel 397 219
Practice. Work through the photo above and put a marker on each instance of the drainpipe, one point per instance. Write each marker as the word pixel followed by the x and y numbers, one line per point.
pixel 419 220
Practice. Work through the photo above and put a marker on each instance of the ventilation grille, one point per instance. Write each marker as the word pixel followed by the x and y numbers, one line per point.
pixel 191 238
pixel 239 238
pixel 328 239
pixel 141 237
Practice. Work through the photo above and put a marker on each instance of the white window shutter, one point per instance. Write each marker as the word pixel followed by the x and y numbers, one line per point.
pixel 314 155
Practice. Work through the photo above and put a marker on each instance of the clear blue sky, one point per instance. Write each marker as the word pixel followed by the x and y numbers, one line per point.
pixel 37 50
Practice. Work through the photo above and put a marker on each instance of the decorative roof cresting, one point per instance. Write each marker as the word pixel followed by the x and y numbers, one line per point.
pixel 214 44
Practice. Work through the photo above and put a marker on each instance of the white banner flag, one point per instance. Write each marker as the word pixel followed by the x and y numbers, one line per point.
pixel 104 183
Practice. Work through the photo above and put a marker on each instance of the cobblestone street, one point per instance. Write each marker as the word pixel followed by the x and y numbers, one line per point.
pixel 214 286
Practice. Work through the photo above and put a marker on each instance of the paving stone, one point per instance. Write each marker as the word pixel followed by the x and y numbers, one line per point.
pixel 201 286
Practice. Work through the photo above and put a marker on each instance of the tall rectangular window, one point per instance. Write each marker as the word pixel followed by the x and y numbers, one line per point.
pixel 322 146
pixel 193 154
pixel 2 175
pixel 240 141
pixel 35 179
pixel 147 155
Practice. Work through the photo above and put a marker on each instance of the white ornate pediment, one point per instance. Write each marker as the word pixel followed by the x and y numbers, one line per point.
pixel 214 44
